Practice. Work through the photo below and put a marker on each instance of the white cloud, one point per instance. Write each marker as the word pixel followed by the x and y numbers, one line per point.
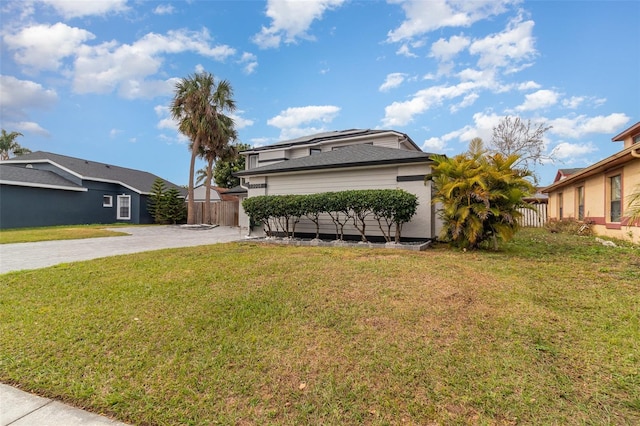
pixel 28 127
pixel 17 97
pixel 425 16
pixel 402 113
pixel 239 121
pixel 538 100
pixel 114 132
pixel 565 150
pixel 293 122
pixel 405 51
pixel 109 66
pixel 42 47
pixel 164 9
pixel 578 126
pixel 508 48
pixel 392 81
pixel 291 20
pixel 434 145
pixel 250 62
pixel 467 101
pixel 528 85
pixel 166 121
pixel 75 9
pixel 445 50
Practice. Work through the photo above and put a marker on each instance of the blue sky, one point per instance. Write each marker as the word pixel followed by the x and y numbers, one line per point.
pixel 93 79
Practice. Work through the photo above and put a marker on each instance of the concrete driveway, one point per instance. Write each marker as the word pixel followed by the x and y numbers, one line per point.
pixel 19 256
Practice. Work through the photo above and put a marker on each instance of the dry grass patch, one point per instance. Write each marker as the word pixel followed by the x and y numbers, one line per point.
pixel 545 332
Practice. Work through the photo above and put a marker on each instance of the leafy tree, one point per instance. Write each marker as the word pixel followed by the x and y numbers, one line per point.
pixel 165 205
pixel 199 105
pixel 156 199
pixel 513 136
pixel 9 146
pixel 225 167
pixel 480 193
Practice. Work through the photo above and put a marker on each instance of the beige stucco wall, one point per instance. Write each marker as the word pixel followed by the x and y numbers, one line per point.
pixel 596 203
pixel 357 178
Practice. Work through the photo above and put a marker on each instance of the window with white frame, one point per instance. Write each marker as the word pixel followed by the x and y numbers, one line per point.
pixel 107 201
pixel 253 161
pixel 124 207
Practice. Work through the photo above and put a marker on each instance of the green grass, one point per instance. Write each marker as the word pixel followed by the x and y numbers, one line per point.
pixel 547 331
pixel 50 233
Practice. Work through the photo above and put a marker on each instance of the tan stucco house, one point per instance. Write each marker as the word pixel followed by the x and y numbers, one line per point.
pixel 343 160
pixel 601 192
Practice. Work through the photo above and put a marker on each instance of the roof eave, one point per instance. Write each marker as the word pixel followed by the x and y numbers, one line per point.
pixel 257 172
pixel 627 132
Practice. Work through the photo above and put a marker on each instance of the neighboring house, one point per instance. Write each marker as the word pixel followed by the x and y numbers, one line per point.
pixel 534 217
pixel 200 194
pixel 565 173
pixel 44 189
pixel 600 193
pixel 343 160
pixel 218 193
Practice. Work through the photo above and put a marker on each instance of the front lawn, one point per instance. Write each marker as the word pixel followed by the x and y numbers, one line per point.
pixel 547 331
pixel 50 233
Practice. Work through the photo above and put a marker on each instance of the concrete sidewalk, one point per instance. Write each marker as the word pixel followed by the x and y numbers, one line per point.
pixel 18 408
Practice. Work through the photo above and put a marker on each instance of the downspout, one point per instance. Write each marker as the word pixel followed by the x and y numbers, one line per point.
pixel 247 188
pixel 635 152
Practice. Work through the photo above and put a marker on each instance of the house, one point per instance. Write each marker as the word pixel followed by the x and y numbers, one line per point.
pixel 343 160
pixel 601 192
pixel 44 189
pixel 217 193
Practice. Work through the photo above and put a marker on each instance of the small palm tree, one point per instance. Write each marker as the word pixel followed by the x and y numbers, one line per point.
pixel 199 105
pixel 634 207
pixel 480 195
pixel 9 146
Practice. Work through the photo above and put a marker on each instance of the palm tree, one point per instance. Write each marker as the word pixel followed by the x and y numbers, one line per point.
pixel 634 207
pixel 198 106
pixel 213 150
pixel 9 146
pixel 480 195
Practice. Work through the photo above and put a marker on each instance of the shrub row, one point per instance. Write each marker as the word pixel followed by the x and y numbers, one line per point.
pixel 390 208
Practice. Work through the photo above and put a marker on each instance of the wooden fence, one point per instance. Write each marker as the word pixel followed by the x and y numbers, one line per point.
pixel 224 213
pixel 535 218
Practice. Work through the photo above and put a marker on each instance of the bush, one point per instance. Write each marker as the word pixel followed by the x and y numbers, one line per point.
pixel 391 208
pixel 568 226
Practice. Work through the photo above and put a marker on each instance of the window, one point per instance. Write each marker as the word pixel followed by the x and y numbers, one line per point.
pixel 124 207
pixel 107 201
pixel 636 139
pixel 580 202
pixel 615 205
pixel 253 161
pixel 315 151
pixel 560 205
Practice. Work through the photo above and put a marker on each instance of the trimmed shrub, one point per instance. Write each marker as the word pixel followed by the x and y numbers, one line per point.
pixel 391 208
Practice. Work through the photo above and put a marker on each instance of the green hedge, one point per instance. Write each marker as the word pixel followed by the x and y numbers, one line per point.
pixel 390 208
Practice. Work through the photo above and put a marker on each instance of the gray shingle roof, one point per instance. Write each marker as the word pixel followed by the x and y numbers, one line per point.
pixel 325 136
pixel 34 177
pixel 348 156
pixel 92 170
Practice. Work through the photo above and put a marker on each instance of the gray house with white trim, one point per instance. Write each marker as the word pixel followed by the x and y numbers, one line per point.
pixel 343 160
pixel 46 189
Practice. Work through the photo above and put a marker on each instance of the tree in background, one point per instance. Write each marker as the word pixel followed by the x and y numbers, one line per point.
pixel 199 105
pixel 513 136
pixel 234 162
pixel 480 193
pixel 9 147
pixel 213 151
pixel 165 205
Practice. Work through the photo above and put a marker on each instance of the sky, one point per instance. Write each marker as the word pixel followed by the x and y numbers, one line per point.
pixel 94 79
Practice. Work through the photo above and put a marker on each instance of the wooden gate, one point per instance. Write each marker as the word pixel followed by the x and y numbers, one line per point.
pixel 224 213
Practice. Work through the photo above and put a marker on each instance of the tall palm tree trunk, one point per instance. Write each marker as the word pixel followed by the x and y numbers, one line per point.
pixel 191 211
pixel 207 206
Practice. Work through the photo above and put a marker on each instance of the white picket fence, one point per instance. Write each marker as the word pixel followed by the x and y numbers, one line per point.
pixel 534 218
